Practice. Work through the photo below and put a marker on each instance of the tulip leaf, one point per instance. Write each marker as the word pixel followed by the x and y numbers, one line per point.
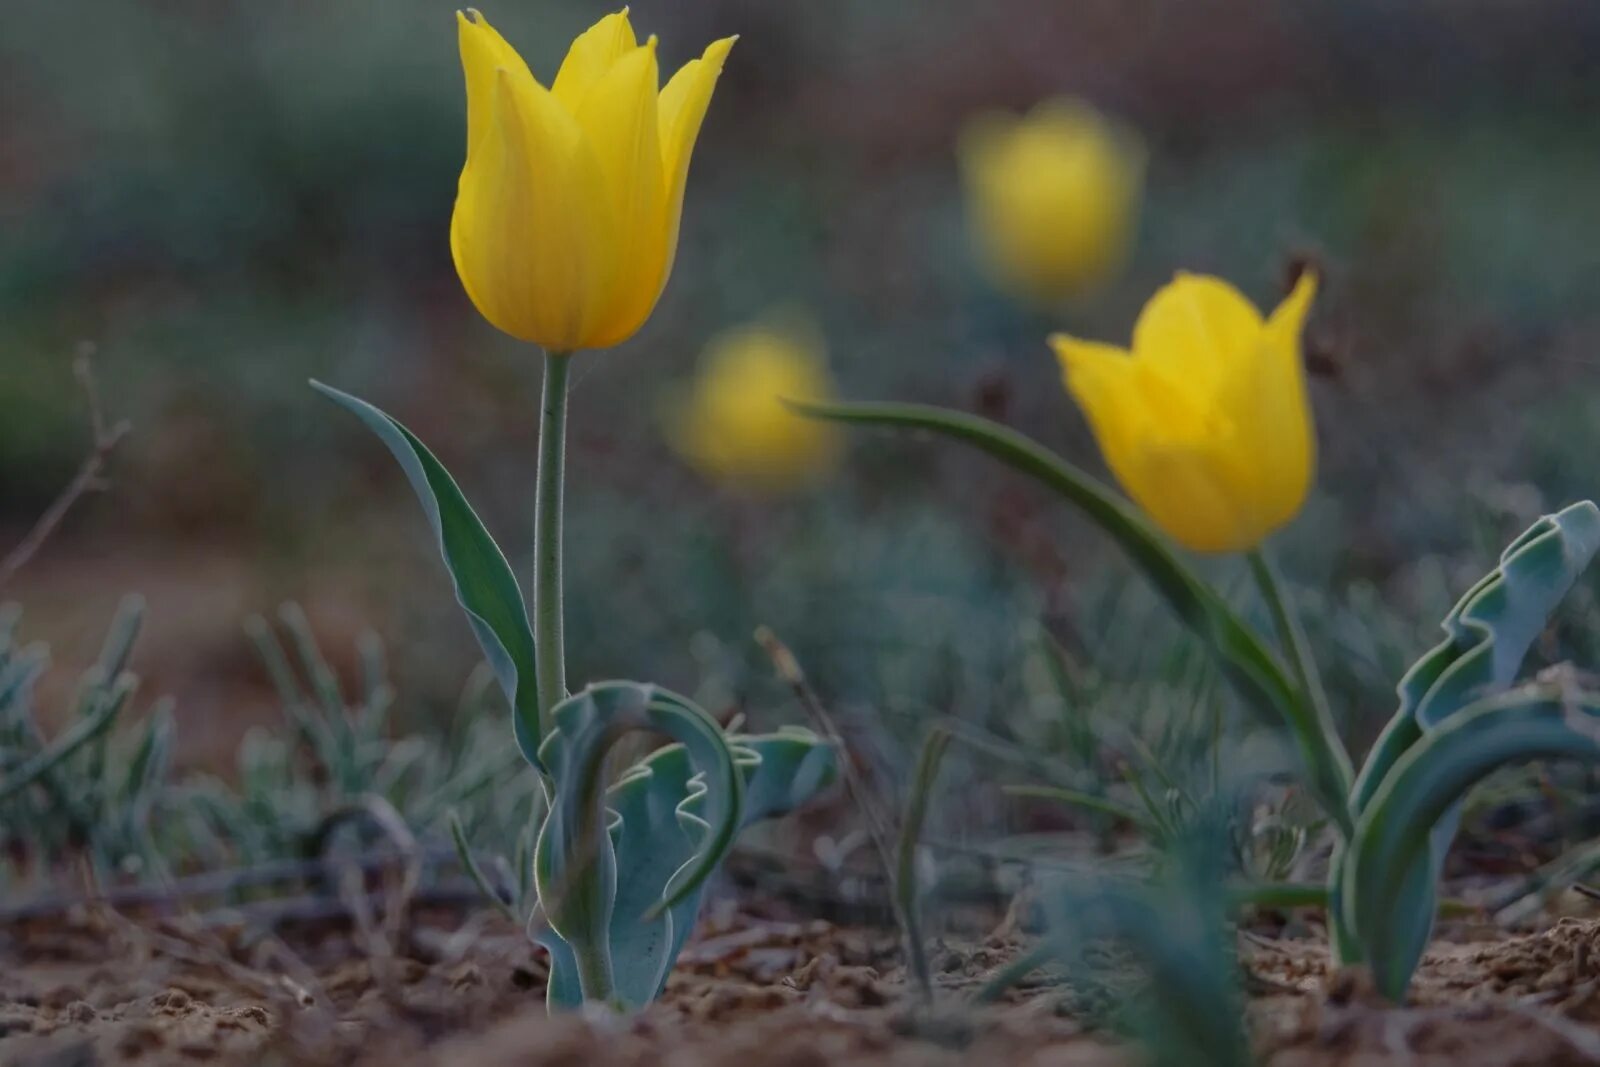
pixel 485 585
pixel 1251 666
pixel 575 862
pixel 1489 632
pixel 656 828
pixel 781 771
pixel 1396 833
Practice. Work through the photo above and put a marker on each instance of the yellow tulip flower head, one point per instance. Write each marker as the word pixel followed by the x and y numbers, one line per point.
pixel 1052 197
pixel 566 217
pixel 731 423
pixel 1205 423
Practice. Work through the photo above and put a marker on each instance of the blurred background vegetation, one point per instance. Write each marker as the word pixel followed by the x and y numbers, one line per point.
pixel 219 199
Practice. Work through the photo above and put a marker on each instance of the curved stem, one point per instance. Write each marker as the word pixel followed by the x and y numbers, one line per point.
pixel 549 647
pixel 1250 665
pixel 1292 636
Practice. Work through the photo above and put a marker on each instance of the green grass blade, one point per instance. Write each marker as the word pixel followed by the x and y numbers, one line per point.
pixel 83 731
pixel 148 766
pixel 469 864
pixel 113 659
pixel 908 896
pixel 1079 799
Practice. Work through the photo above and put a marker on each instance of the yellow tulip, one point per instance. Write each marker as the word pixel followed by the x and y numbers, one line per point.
pixel 566 217
pixel 1052 197
pixel 731 423
pixel 1205 423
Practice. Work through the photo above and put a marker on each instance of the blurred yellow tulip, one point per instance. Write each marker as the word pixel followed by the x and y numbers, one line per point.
pixel 731 423
pixel 566 217
pixel 1052 197
pixel 1205 423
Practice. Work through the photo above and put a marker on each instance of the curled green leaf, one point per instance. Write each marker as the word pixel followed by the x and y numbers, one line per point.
pixel 1396 832
pixel 575 863
pixel 657 826
pixel 1488 634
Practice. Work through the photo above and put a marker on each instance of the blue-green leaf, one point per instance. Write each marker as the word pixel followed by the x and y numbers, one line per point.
pixel 486 587
pixel 575 862
pixel 1488 633
pixel 782 771
pixel 1396 834
pixel 657 828
pixel 652 844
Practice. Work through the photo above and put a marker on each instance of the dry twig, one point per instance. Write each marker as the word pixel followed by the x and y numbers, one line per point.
pixel 89 479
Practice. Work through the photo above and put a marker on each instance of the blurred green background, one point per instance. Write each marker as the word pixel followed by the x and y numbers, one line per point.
pixel 221 198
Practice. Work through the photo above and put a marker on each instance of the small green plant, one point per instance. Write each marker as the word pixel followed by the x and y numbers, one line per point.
pixel 340 760
pixel 1459 718
pixel 1153 958
pixel 91 790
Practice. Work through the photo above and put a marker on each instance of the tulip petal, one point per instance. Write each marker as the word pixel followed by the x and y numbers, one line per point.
pixel 683 108
pixel 1051 197
pixel 1280 430
pixel 1289 317
pixel 528 238
pixel 595 52
pixel 483 51
pixel 1170 455
pixel 1105 382
pixel 733 424
pixel 620 123
pixel 1194 329
pixel 1183 490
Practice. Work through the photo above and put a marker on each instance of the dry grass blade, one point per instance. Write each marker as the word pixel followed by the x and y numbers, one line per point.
pixel 897 866
pixel 378 942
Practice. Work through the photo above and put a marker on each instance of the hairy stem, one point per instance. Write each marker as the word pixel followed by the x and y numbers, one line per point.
pixel 549 646
pixel 595 979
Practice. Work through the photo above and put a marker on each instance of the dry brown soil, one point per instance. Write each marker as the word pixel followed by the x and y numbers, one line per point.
pixel 92 987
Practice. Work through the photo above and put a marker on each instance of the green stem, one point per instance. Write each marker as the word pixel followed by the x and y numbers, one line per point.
pixel 549 649
pixel 595 979
pixel 1293 639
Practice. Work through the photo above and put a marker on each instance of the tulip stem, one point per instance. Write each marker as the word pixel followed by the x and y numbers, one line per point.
pixel 595 978
pixel 1293 638
pixel 549 649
